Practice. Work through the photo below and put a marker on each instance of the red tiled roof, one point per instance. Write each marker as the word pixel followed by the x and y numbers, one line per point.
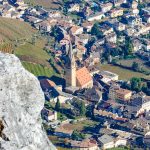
pixel 83 76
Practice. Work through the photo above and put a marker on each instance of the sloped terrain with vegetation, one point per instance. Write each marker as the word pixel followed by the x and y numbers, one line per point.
pixel 25 42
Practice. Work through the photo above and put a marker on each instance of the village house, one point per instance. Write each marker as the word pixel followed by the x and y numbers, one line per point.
pixel 137 45
pixel 64 41
pixel 147 139
pixel 48 115
pixel 7 10
pixel 84 38
pixel 111 38
pixel 93 95
pixel 97 46
pixel 147 45
pixel 105 7
pixel 95 56
pixel 141 123
pixel 54 14
pixel 146 18
pixel 133 21
pixel 87 11
pixel 121 39
pixel 119 26
pixel 116 12
pixel 117 93
pixel 109 75
pixel 129 31
pixel 104 113
pixel 74 8
pixel 135 11
pixel 93 70
pixel 133 4
pixel 64 131
pixel 145 104
pixel 106 29
pixel 87 26
pixel 120 138
pixel 145 29
pixel 86 144
pixel 96 16
pixel 33 20
pixel 52 116
pixel 106 141
pixel 53 92
pixel 117 3
pixel 46 25
pixel 146 11
pixel 76 30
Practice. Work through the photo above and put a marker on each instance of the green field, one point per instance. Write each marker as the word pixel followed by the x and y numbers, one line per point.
pixel 54 4
pixel 38 70
pixel 33 51
pixel 124 74
pixel 119 148
pixel 129 62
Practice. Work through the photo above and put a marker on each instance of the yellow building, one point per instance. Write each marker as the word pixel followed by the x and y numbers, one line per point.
pixel 116 12
pixel 117 93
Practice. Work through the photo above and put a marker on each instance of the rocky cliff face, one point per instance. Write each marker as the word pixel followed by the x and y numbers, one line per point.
pixel 21 100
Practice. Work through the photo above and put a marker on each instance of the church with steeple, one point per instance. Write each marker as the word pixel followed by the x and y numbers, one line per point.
pixel 76 77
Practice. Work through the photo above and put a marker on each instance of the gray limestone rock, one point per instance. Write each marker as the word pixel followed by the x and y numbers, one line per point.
pixel 21 100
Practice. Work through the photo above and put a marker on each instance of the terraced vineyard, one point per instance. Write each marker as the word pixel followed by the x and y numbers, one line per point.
pixel 11 29
pixel 38 70
pixel 6 48
pixel 16 36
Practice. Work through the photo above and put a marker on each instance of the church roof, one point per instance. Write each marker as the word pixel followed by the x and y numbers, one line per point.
pixel 83 76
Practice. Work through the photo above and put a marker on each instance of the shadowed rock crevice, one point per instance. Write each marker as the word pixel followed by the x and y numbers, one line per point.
pixel 2 135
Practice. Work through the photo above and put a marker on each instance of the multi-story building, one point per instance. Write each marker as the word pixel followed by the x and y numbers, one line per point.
pixel 74 8
pixel 116 12
pixel 118 93
pixel 106 7
pixel 97 16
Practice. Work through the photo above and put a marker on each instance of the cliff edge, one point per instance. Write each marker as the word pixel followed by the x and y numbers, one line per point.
pixel 21 100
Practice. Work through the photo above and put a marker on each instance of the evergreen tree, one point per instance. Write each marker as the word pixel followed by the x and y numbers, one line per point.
pixel 96 31
pixel 135 66
pixel 57 106
pixel 128 47
pixel 82 109
pixel 136 84
pixel 77 135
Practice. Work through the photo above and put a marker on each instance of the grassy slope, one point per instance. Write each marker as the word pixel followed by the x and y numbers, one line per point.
pixel 38 70
pixel 54 4
pixel 10 30
pixel 123 73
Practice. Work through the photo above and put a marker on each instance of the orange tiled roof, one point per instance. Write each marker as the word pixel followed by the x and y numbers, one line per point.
pixel 83 76
pixel 74 29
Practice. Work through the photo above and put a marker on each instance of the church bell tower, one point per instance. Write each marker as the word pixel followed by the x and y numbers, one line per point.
pixel 71 69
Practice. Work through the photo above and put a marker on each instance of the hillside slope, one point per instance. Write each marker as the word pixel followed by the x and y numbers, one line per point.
pixel 11 29
pixel 53 4
pixel 17 38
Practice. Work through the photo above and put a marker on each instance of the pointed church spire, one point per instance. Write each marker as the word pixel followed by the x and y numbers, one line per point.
pixel 72 66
